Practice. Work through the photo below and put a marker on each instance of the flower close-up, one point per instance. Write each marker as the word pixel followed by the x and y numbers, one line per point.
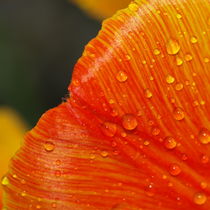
pixel 134 133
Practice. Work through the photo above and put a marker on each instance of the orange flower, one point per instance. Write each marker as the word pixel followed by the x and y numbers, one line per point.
pixel 135 132
pixel 11 134
pixel 101 9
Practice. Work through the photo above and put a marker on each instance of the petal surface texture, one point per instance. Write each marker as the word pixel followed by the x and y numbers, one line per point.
pixel 103 8
pixel 135 133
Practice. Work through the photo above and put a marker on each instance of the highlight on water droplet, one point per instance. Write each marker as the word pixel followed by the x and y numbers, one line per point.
pixel 178 114
pixel 204 136
pixel 49 146
pixel 129 122
pixel 170 79
pixel 122 76
pixel 174 169
pixel 5 181
pixel 172 47
pixel 170 142
pixel 109 129
pixel 199 198
pixel 147 93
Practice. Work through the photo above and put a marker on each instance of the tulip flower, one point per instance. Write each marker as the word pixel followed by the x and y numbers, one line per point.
pixel 12 130
pixel 101 9
pixel 134 133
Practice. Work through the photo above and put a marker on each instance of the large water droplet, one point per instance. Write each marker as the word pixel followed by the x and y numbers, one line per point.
pixel 204 136
pixel 109 129
pixel 174 169
pixel 170 142
pixel 172 47
pixel 178 113
pixel 122 76
pixel 199 198
pixel 49 146
pixel 129 122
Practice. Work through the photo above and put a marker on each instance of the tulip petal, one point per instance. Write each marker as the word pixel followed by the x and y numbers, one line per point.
pixel 103 8
pixel 135 132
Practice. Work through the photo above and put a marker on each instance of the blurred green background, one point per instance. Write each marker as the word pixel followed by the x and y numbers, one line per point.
pixel 40 41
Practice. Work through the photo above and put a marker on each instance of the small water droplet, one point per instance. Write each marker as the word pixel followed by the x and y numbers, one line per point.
pixel 188 57
pixel 179 86
pixel 122 76
pixel 129 122
pixel 38 207
pixel 194 39
pixel 178 114
pixel 170 142
pixel 204 136
pixel 155 131
pixel 206 60
pixel 5 181
pixel 204 159
pixel 170 79
pixel 147 93
pixel 156 52
pixel 23 193
pixel 199 198
pixel 104 154
pixel 203 185
pixel 49 146
pixel 109 129
pixel 172 47
pixel 179 61
pixel 174 169
pixel 179 16
pixel 57 173
pixel 54 205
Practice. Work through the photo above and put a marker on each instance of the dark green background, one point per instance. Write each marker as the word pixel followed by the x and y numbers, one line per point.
pixel 40 41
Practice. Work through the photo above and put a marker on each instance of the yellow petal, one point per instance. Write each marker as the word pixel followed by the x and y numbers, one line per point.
pixel 101 9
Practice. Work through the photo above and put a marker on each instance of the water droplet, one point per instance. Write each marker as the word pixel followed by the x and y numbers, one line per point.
pixel 57 173
pixel 109 129
pixel 179 86
pixel 203 185
pixel 204 159
pixel 38 207
pixel 150 190
pixel 129 122
pixel 199 198
pixel 23 193
pixel 172 47
pixel 147 93
pixel 122 76
pixel 92 156
pixel 174 169
pixel 206 60
pixel 204 136
pixel 54 205
pixel 194 39
pixel 49 146
pixel 156 52
pixel 170 142
pixel 178 113
pixel 104 154
pixel 5 181
pixel 170 79
pixel 179 61
pixel 155 131
pixel 179 16
pixel 188 57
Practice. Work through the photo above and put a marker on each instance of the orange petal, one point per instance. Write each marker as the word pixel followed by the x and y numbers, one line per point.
pixel 11 133
pixel 101 9
pixel 135 133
